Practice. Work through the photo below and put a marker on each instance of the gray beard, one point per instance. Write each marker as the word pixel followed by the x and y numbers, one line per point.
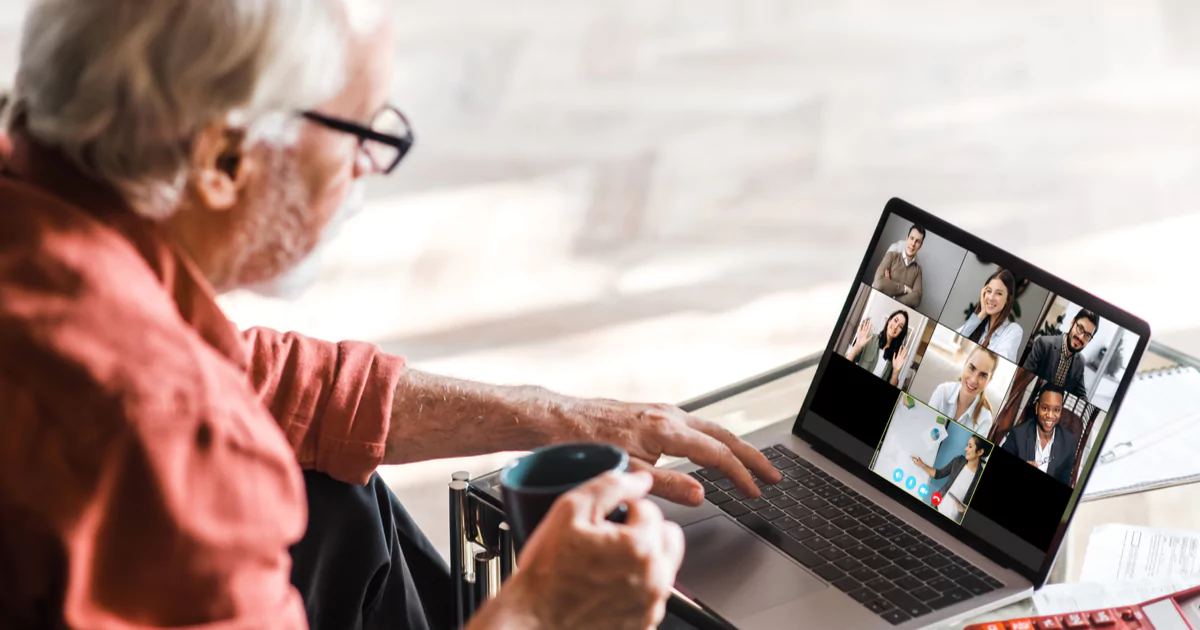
pixel 295 282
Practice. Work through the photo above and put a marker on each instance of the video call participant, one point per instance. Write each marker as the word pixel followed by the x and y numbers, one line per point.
pixel 1052 357
pixel 988 325
pixel 958 489
pixel 883 353
pixel 965 400
pixel 899 274
pixel 1043 443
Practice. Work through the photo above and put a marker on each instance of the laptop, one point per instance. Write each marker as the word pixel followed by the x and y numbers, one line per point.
pixel 939 454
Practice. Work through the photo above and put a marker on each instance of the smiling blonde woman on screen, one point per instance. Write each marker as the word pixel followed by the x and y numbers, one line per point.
pixel 965 400
pixel 988 324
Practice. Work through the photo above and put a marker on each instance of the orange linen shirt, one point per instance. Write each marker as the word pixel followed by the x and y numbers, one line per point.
pixel 150 453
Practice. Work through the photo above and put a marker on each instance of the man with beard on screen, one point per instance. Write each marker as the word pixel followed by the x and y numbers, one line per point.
pixel 1053 357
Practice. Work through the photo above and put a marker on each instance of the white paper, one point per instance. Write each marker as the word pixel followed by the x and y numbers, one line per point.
pixel 1122 553
pixel 1057 599
pixel 1153 402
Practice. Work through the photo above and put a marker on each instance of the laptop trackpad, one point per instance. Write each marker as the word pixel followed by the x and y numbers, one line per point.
pixel 738 574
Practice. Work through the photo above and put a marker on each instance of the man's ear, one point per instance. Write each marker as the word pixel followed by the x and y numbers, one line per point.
pixel 218 172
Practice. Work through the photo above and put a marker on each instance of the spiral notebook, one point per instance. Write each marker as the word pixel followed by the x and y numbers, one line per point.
pixel 1155 440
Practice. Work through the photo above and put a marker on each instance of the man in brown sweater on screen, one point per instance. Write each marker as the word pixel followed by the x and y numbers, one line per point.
pixel 899 275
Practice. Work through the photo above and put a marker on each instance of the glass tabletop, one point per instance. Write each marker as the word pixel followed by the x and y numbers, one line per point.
pixel 777 395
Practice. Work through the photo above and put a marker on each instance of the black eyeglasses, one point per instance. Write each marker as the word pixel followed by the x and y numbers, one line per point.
pixel 385 142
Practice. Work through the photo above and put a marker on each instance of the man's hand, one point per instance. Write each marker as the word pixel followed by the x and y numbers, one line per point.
pixel 887 273
pixel 583 572
pixel 649 431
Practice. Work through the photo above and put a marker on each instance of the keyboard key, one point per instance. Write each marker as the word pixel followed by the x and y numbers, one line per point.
pixel 903 540
pixel 801 513
pixel 811 481
pixel 861 552
pixel 785 544
pixel 848 564
pixel 892 572
pixel 842 500
pixel 906 602
pixel 993 582
pixel 871 520
pixel 843 522
pixel 786 451
pixel 769 493
pixel 937 562
pixel 941 584
pixel 879 606
pixel 925 574
pixel 830 512
pixel 954 572
pixel 876 562
pixel 878 585
pixel 844 542
pixel 908 583
pixel 718 498
pixel 827 492
pixel 814 503
pixel 888 530
pixel 801 533
pixel 829 572
pixel 832 554
pixel 974 585
pixel 856 510
pixel 786 484
pixel 895 617
pixel 695 474
pixel 725 484
pixel 859 532
pixel 828 531
pixel 862 595
pixel 862 575
pixel 909 563
pixel 711 474
pixel 770 513
pixel 756 504
pixel 797 473
pixel 800 493
pixel 944 601
pixel 798 512
pixel 786 523
pixel 816 543
pixel 925 594
pixel 708 487
pixel 847 584
pixel 735 509
pixel 784 502
pixel 876 542
pixel 771 453
pixel 921 551
pixel 892 552
pixel 812 521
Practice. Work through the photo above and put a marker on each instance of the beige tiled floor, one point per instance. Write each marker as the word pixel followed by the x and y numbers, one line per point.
pixel 650 198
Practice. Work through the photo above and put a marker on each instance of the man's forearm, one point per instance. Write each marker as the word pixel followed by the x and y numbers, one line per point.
pixel 437 416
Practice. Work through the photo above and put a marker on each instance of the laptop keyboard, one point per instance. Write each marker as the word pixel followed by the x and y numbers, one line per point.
pixel 887 566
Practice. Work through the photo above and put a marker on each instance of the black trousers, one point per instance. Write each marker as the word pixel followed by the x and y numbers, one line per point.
pixel 364 564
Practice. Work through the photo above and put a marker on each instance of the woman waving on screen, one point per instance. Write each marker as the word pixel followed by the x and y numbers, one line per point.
pixel 883 353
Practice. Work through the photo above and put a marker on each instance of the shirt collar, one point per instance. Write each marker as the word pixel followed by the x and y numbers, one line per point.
pixel 49 170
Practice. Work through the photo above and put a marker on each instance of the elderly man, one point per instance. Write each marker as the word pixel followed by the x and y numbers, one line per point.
pixel 151 455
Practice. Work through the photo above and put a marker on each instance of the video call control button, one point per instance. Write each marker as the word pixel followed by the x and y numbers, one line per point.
pixel 923 491
pixel 898 475
pixel 936 499
pixel 910 483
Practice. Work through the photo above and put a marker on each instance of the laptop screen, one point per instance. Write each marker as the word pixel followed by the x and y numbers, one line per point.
pixel 971 385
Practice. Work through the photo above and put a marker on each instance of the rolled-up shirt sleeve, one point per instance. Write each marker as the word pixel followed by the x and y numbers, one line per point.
pixel 333 400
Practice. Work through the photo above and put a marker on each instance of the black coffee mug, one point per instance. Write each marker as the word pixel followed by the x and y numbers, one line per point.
pixel 531 484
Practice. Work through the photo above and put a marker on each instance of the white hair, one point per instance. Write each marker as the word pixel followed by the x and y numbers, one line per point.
pixel 122 87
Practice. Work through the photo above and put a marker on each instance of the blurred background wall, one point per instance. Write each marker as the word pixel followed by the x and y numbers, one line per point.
pixel 651 198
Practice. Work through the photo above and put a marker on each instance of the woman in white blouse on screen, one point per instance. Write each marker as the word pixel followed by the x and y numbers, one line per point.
pixel 965 400
pixel 988 325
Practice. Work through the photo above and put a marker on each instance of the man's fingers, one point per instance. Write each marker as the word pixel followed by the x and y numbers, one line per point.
pixel 746 454
pixel 710 452
pixel 672 485
pixel 596 499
